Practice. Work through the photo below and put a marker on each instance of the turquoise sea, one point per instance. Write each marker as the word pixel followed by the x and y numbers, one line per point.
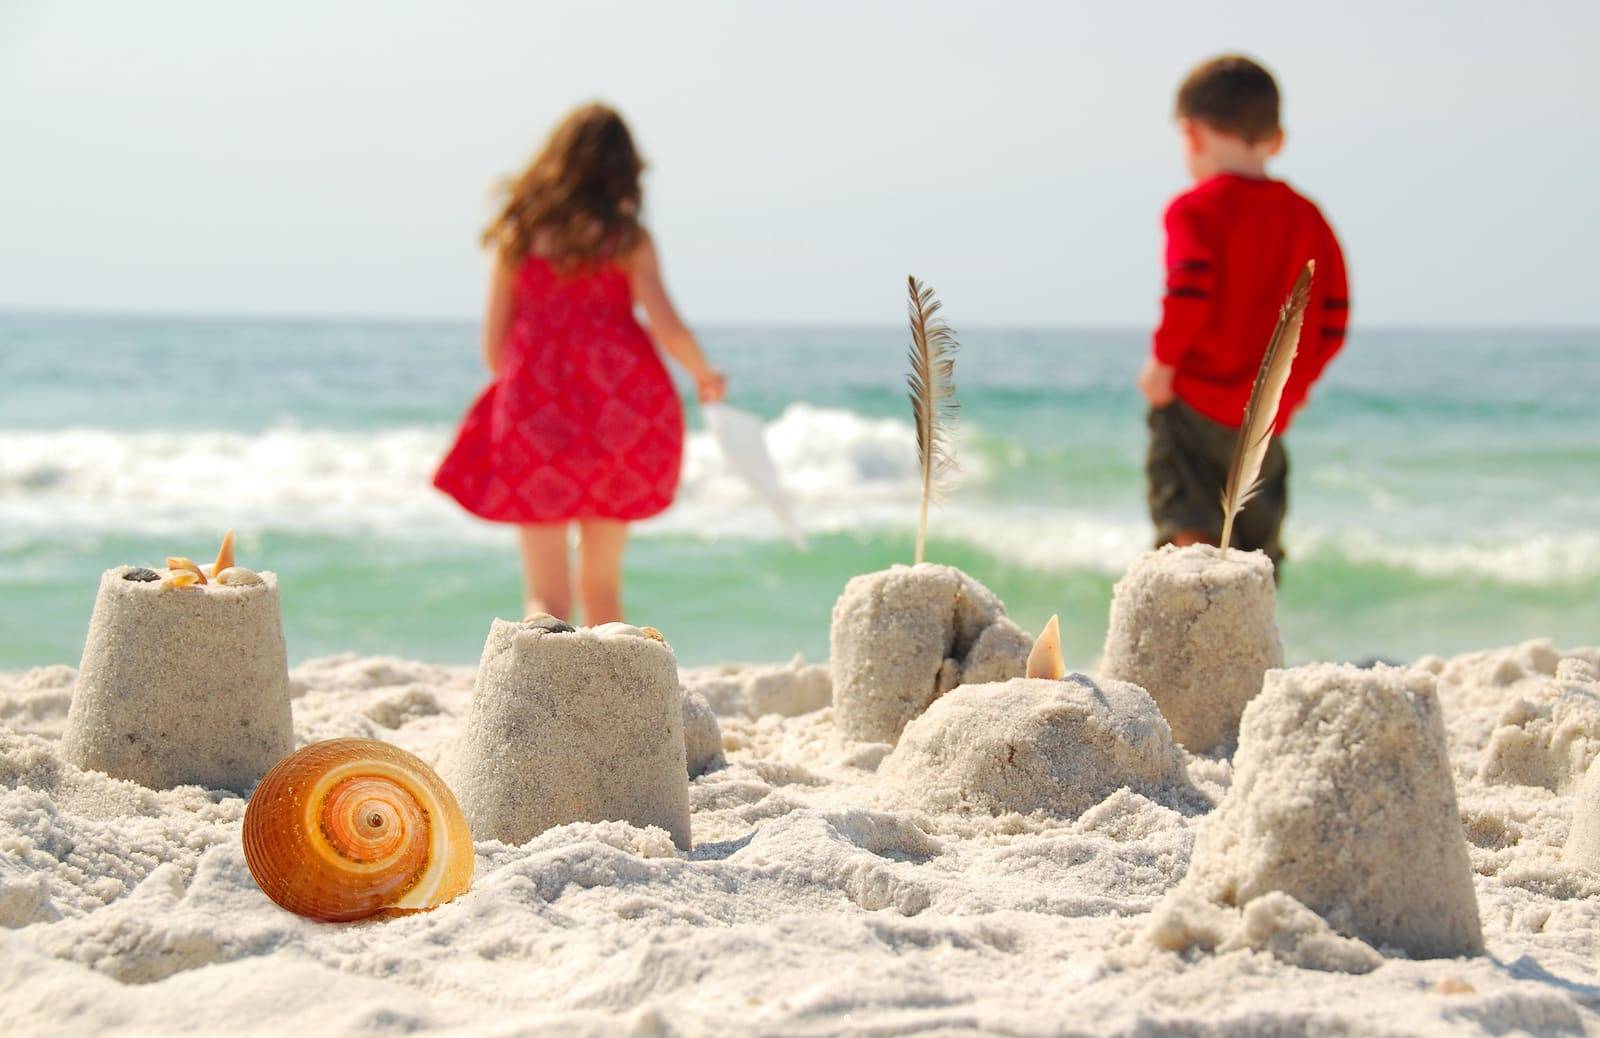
pixel 1444 484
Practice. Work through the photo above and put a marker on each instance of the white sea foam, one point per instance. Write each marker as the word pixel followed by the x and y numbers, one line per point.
pixel 331 480
pixel 847 473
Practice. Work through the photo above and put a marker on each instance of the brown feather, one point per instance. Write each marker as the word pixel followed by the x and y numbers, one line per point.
pixel 1261 413
pixel 933 395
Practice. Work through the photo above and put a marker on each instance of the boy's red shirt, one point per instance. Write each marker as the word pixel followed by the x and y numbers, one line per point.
pixel 1234 247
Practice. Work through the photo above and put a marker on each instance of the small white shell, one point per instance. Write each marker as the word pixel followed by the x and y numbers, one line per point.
pixel 616 628
pixel 237 576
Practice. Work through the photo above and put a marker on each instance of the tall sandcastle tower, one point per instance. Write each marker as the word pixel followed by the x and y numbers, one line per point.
pixel 1342 798
pixel 572 725
pixel 1198 631
pixel 184 678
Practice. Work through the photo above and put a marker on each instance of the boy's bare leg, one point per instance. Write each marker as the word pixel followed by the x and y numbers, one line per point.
pixel 546 576
pixel 600 545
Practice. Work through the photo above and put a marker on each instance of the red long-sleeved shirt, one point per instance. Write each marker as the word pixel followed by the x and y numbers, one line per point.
pixel 1234 247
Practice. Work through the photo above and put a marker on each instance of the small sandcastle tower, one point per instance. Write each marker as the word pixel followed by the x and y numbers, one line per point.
pixel 1050 743
pixel 1195 626
pixel 184 678
pixel 1342 798
pixel 1198 631
pixel 904 636
pixel 572 725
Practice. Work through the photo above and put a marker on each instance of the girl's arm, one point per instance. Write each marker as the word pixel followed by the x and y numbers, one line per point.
pixel 644 270
pixel 497 314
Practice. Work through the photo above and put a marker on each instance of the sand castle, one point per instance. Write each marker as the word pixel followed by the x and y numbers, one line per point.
pixel 184 678
pixel 572 725
pixel 1198 632
pixel 1342 798
pixel 904 636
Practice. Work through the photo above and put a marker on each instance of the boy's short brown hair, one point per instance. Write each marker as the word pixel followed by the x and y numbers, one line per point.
pixel 1232 94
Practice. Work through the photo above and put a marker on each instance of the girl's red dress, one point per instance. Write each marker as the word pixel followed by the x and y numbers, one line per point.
pixel 582 420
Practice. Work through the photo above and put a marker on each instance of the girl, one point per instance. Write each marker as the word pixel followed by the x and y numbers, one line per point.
pixel 580 423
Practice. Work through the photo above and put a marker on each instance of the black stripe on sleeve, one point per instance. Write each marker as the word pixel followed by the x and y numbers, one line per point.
pixel 1185 292
pixel 1336 304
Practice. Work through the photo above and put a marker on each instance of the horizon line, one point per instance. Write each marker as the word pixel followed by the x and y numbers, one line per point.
pixel 113 313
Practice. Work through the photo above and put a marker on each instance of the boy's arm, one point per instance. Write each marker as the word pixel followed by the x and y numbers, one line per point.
pixel 1191 277
pixel 1334 315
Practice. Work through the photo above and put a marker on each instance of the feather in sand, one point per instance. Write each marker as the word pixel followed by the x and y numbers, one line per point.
pixel 933 395
pixel 1261 413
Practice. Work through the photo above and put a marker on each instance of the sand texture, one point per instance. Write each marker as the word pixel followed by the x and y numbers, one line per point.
pixel 181 686
pixel 573 726
pixel 1031 746
pixel 1342 799
pixel 1579 680
pixel 904 636
pixel 1549 734
pixel 813 903
pixel 743 690
pixel 702 736
pixel 1197 632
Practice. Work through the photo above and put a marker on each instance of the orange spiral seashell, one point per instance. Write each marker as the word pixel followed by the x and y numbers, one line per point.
pixel 348 828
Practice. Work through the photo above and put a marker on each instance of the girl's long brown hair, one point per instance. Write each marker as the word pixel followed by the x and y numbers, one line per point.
pixel 579 198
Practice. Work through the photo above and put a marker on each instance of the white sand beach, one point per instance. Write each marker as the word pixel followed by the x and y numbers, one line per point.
pixel 816 899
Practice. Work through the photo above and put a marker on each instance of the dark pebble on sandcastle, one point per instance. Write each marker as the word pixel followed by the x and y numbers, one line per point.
pixel 549 623
pixel 142 575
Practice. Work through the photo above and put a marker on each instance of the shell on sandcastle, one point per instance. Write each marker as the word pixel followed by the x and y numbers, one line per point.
pixel 184 678
pixel 1050 743
pixel 349 828
pixel 1198 631
pixel 572 725
pixel 904 636
pixel 1342 798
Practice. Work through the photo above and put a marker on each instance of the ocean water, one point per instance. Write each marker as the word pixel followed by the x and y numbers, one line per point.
pixel 1444 489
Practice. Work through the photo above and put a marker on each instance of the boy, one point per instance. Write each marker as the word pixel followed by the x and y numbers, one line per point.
pixel 1235 242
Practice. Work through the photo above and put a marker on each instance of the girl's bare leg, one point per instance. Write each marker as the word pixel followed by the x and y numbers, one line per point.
pixel 600 545
pixel 546 576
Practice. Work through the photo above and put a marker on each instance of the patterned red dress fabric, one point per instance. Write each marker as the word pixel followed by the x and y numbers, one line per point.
pixel 582 421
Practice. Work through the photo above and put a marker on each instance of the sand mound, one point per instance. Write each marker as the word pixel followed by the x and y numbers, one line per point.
pixel 1342 798
pixel 1197 632
pixel 1549 735
pixel 571 726
pixel 742 690
pixel 1274 923
pixel 702 736
pixel 1034 746
pixel 181 686
pixel 905 636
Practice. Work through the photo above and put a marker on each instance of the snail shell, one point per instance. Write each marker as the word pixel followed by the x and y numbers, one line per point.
pixel 348 828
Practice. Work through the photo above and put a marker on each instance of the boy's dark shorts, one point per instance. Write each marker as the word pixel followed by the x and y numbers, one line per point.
pixel 1184 473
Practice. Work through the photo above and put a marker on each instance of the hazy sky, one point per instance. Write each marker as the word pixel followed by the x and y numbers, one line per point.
pixel 314 158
